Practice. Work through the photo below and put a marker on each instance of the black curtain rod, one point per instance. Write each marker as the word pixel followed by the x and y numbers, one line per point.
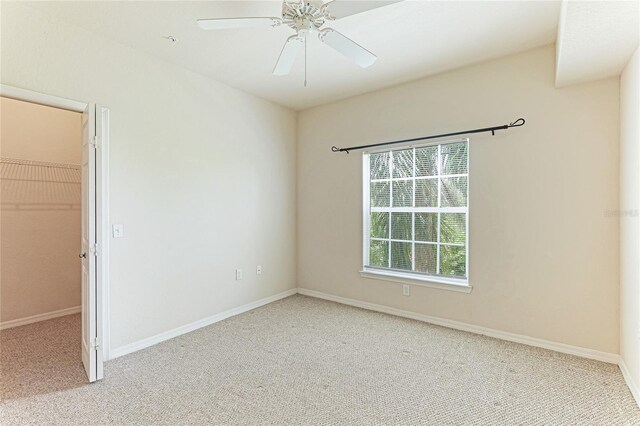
pixel 519 122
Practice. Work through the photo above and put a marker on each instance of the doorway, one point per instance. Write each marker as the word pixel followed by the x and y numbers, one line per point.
pixel 54 254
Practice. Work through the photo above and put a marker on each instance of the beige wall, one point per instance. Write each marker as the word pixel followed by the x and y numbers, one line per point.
pixel 201 175
pixel 543 244
pixel 630 218
pixel 40 214
pixel 40 133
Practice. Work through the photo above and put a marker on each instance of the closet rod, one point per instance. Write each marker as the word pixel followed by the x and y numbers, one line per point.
pixel 519 122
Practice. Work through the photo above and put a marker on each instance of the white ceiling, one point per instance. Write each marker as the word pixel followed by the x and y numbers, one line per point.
pixel 412 39
pixel 596 39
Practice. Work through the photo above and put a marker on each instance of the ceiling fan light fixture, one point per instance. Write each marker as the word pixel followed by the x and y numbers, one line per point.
pixel 302 16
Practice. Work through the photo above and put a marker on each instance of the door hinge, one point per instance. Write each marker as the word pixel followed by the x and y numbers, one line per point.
pixel 95 142
pixel 95 343
pixel 95 249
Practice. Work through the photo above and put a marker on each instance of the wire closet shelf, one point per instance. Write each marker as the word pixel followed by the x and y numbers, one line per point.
pixel 38 171
pixel 39 185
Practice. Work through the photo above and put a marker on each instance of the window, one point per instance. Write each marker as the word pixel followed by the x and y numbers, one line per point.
pixel 416 212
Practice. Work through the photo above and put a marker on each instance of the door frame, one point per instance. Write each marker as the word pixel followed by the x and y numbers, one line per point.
pixel 102 199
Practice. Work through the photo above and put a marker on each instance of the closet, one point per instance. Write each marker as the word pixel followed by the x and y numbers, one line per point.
pixel 40 152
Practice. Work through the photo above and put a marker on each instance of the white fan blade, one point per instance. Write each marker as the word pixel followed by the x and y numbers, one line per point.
pixel 347 47
pixel 341 8
pixel 224 23
pixel 288 55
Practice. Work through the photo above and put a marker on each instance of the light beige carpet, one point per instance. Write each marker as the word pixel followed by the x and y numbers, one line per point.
pixel 305 361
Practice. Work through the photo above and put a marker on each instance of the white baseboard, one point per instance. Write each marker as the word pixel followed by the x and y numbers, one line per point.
pixel 503 335
pixel 40 317
pixel 633 386
pixel 150 341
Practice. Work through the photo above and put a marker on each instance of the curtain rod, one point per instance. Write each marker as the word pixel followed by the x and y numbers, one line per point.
pixel 519 122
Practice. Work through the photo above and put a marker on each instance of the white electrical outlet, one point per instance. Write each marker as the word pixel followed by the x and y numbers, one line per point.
pixel 259 270
pixel 238 274
pixel 406 290
pixel 118 230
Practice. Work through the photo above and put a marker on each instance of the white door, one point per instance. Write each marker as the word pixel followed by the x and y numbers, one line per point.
pixel 90 252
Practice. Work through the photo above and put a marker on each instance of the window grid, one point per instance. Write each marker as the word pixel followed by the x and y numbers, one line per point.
pixel 419 177
pixel 413 215
pixel 413 209
pixel 390 205
pixel 438 214
pixel 395 240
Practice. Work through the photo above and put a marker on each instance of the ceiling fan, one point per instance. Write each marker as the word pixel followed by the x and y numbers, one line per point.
pixel 306 17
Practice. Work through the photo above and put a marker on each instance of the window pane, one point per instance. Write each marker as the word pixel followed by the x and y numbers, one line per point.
pixel 427 161
pixel 454 158
pixel 379 253
pixel 379 224
pixel 401 255
pixel 426 227
pixel 426 258
pixel 380 194
pixel 379 165
pixel 403 193
pixel 452 228
pixel 452 261
pixel 403 163
pixel 433 242
pixel 454 192
pixel 401 226
pixel 427 193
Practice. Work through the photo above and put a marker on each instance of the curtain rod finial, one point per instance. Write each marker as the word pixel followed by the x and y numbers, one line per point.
pixel 519 122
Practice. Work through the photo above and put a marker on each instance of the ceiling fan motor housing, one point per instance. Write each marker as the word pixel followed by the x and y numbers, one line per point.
pixel 304 17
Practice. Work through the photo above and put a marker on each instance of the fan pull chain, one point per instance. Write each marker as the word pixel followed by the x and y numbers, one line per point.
pixel 305 61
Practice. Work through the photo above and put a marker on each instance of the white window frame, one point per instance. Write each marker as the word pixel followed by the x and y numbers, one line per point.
pixel 409 277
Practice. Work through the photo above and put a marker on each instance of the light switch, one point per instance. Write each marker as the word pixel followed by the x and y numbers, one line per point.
pixel 118 231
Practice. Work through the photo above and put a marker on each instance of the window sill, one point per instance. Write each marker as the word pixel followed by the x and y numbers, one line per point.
pixel 432 282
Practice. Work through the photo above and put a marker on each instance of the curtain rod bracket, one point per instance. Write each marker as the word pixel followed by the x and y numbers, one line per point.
pixel 519 122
